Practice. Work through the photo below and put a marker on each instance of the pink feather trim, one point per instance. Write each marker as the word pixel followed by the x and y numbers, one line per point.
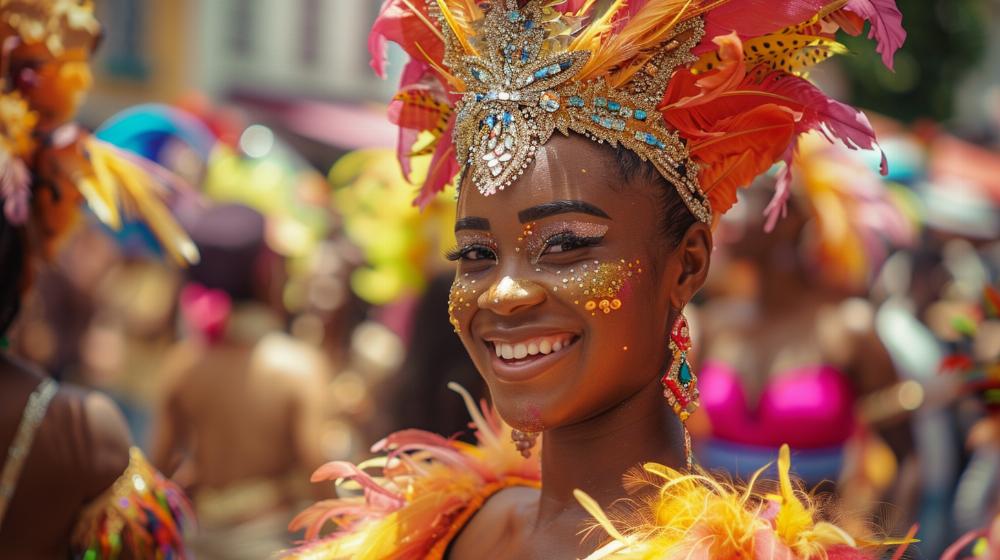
pixel 752 18
pixel 886 25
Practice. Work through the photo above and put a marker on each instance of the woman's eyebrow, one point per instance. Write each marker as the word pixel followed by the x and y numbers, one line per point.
pixel 559 207
pixel 472 222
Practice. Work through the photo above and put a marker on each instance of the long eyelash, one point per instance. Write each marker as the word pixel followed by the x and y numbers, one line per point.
pixel 568 236
pixel 459 251
pixel 455 253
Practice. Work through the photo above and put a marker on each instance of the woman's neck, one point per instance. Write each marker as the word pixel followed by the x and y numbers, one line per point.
pixel 594 454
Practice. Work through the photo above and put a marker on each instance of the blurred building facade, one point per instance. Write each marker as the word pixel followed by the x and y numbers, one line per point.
pixel 296 66
pixel 279 49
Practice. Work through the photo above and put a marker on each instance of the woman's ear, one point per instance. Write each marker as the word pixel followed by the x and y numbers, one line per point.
pixel 693 256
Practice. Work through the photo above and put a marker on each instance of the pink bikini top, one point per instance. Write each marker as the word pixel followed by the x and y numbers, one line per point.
pixel 808 408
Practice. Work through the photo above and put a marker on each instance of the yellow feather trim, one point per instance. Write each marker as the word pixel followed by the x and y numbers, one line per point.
pixel 696 516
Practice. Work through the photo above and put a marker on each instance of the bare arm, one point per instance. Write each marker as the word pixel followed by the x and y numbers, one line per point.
pixel 170 436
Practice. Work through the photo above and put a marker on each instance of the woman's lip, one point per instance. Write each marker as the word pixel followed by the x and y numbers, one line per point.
pixel 529 367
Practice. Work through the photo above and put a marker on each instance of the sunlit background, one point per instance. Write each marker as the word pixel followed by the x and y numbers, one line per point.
pixel 271 105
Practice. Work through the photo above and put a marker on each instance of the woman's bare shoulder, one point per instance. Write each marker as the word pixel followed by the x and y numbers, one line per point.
pixel 501 524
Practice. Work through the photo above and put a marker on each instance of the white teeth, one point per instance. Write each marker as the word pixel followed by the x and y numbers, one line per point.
pixel 533 347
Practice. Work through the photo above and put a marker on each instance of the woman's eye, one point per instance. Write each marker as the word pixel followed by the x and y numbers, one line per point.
pixel 472 253
pixel 564 243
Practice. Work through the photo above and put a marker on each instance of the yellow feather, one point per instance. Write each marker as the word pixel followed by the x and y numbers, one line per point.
pixel 141 190
pixel 460 30
pixel 105 189
pixel 459 85
pixel 98 203
pixel 587 40
pixel 420 15
pixel 594 509
pixel 793 519
pixel 642 35
pixel 481 425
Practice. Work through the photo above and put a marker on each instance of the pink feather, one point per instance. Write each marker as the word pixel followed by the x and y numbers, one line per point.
pixel 373 490
pixel 777 207
pixel 417 76
pixel 443 169
pixel 409 29
pixel 844 552
pixel 886 25
pixel 410 437
pixel 571 6
pixel 752 18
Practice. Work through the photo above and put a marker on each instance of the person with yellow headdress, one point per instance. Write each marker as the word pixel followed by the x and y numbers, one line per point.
pixel 71 484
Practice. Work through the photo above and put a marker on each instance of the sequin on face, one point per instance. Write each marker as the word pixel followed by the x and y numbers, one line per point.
pixel 460 297
pixel 599 286
pixel 526 238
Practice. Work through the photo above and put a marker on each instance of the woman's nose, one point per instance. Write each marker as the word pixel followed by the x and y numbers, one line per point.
pixel 509 296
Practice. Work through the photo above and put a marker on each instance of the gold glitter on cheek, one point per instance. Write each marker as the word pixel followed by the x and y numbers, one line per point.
pixel 460 298
pixel 602 285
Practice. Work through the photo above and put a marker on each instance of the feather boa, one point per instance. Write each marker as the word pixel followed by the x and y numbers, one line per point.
pixel 428 488
pixel 695 517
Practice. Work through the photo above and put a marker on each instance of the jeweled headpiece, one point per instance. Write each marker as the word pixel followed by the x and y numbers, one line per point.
pixel 710 92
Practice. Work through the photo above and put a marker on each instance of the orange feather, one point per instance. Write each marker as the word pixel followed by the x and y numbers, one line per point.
pixel 739 149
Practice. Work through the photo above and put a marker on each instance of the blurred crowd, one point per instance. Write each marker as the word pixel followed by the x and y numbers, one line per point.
pixel 864 330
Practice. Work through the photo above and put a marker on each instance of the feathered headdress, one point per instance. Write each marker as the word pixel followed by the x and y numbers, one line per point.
pixel 47 163
pixel 711 92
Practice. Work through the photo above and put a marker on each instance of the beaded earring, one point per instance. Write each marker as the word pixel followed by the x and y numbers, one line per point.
pixel 524 441
pixel 680 385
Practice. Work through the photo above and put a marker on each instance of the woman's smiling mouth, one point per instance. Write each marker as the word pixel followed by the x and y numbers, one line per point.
pixel 525 358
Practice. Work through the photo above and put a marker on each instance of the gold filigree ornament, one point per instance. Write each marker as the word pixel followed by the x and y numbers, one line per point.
pixel 522 81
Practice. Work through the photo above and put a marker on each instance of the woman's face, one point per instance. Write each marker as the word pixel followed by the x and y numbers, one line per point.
pixel 565 286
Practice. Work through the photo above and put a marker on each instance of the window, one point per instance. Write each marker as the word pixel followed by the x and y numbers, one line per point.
pixel 310 26
pixel 243 29
pixel 123 50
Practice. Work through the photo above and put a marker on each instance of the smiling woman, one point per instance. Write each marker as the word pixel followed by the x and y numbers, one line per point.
pixel 577 253
pixel 558 265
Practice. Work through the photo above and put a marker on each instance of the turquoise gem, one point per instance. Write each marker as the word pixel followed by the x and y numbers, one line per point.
pixel 576 101
pixel 600 102
pixel 684 375
pixel 514 16
pixel 614 105
pixel 640 115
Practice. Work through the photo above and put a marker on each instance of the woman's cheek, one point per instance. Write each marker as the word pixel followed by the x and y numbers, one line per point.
pixel 600 287
pixel 463 295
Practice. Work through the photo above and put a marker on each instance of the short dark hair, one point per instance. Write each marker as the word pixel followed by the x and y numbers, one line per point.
pixel 675 217
pixel 13 263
